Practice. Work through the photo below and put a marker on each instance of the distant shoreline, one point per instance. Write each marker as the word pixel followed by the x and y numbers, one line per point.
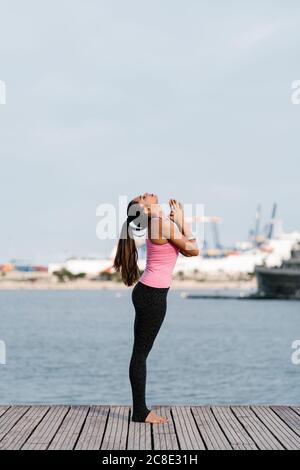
pixel 85 284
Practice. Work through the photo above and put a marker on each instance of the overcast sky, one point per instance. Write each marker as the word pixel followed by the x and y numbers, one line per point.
pixel 190 100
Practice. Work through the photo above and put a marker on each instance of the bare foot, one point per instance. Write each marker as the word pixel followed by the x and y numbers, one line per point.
pixel 152 417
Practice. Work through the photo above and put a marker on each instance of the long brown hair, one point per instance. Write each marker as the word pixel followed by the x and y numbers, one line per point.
pixel 126 257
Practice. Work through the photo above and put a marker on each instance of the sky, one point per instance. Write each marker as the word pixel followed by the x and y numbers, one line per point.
pixel 190 100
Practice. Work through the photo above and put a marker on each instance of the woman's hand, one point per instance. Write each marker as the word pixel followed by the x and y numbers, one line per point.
pixel 176 212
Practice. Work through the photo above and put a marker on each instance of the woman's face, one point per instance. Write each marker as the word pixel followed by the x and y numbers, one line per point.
pixel 149 201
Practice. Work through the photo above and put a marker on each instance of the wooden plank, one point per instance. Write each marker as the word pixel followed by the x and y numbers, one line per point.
pixel 139 436
pixel 116 430
pixel 260 434
pixel 284 434
pixel 290 417
pixel 296 409
pixel 164 434
pixel 186 429
pixel 22 430
pixel 93 431
pixel 234 431
pixel 68 433
pixel 3 409
pixel 42 436
pixel 209 428
pixel 10 418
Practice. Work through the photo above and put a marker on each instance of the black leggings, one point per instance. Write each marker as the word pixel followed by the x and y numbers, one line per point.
pixel 150 305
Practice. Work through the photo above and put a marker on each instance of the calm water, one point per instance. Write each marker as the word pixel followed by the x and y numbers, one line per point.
pixel 75 347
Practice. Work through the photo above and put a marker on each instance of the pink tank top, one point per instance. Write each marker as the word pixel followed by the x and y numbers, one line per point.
pixel 160 262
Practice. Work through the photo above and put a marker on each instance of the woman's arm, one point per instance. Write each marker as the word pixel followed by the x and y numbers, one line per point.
pixel 186 231
pixel 177 216
pixel 171 232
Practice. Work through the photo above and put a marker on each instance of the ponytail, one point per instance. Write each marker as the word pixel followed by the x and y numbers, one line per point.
pixel 126 257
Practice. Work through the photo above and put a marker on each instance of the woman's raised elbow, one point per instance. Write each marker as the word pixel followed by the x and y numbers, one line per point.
pixel 193 252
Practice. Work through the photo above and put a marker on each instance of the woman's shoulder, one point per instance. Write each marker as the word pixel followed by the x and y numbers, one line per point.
pixel 160 228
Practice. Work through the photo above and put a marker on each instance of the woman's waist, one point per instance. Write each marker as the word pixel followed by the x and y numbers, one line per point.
pixel 160 276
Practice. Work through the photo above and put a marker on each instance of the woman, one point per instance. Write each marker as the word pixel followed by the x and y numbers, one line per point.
pixel 167 237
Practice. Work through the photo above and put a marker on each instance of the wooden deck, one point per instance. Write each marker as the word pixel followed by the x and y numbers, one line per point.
pixel 108 427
